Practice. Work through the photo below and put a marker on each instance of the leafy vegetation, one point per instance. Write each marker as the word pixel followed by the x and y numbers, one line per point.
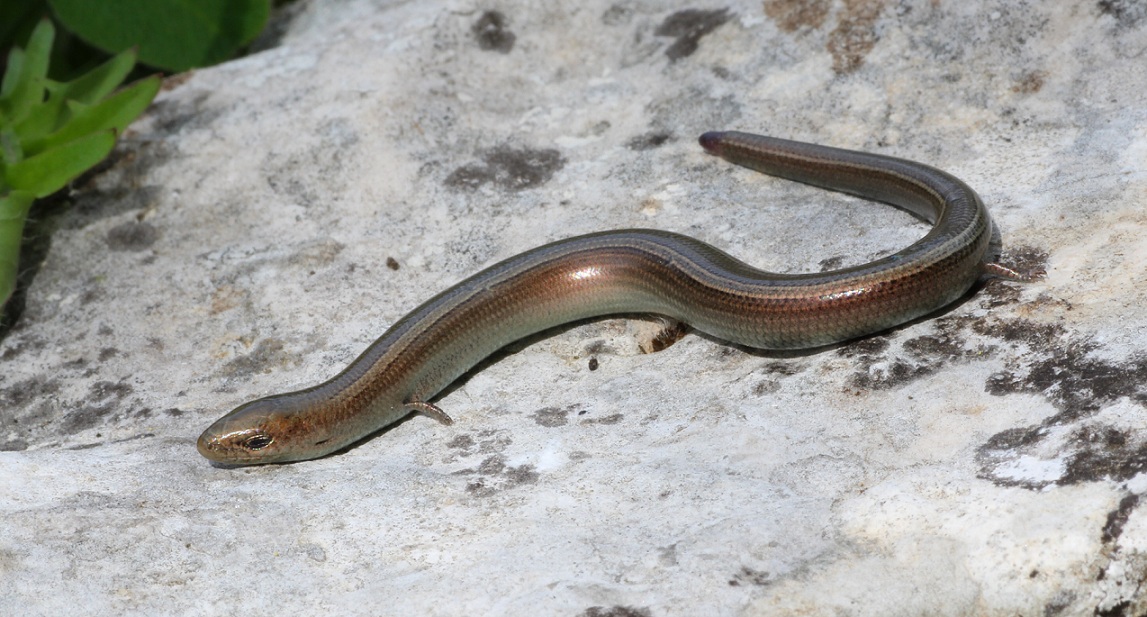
pixel 59 111
pixel 51 131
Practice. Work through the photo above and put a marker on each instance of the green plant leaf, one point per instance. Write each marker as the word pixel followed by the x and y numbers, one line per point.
pixel 10 151
pixel 12 74
pixel 171 34
pixel 49 171
pixel 114 112
pixel 13 213
pixel 23 87
pixel 99 82
pixel 88 88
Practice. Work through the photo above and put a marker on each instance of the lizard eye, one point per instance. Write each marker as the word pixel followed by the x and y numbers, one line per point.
pixel 257 442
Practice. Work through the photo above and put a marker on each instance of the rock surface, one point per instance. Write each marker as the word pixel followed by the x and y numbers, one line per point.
pixel 269 217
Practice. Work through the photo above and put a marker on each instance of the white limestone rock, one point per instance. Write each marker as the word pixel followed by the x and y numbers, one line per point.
pixel 987 461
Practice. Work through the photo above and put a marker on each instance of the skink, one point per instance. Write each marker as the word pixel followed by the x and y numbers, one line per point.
pixel 639 271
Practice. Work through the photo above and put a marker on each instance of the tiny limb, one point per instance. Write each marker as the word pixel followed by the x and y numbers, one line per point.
pixel 429 410
pixel 1000 271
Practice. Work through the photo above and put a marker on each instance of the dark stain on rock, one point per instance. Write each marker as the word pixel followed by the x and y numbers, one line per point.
pixel 497 476
pixel 103 398
pixel 1030 82
pixel 610 419
pixel 550 417
pixel 1127 12
pixel 492 466
pixel 766 386
pixel 1073 380
pixel 792 15
pixel 492 34
pixel 1117 518
pixel 132 236
pixel 617 15
pixel 865 347
pixel 688 27
pixel 779 367
pixel 749 576
pixel 268 353
pixel 1099 461
pixel 855 35
pixel 832 263
pixel 1063 370
pixel 649 141
pixel 1058 604
pixel 461 442
pixel 616 611
pixel 512 169
pixel 23 392
pixel 922 356
pixel 175 115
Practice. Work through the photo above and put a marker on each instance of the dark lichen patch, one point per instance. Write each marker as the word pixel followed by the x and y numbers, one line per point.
pixel 23 392
pixel 550 417
pixel 749 576
pixel 461 442
pixel 1063 370
pixel 919 357
pixel 132 236
pixel 512 169
pixel 766 386
pixel 492 33
pixel 1095 462
pixel 1117 518
pixel 1127 12
pixel 832 263
pixel 486 442
pixel 896 374
pixel 865 347
pixel 688 27
pixel 497 476
pixel 778 367
pixel 649 141
pixel 492 465
pixel 616 611
pixel 102 399
pixel 1074 381
pixel 610 419
pixel 268 353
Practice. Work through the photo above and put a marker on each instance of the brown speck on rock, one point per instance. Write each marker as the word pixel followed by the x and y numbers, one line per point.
pixel 792 15
pixel 855 35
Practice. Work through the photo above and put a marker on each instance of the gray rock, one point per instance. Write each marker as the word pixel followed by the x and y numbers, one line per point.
pixel 271 216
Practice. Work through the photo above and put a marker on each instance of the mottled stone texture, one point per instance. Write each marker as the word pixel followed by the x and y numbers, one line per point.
pixel 269 217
